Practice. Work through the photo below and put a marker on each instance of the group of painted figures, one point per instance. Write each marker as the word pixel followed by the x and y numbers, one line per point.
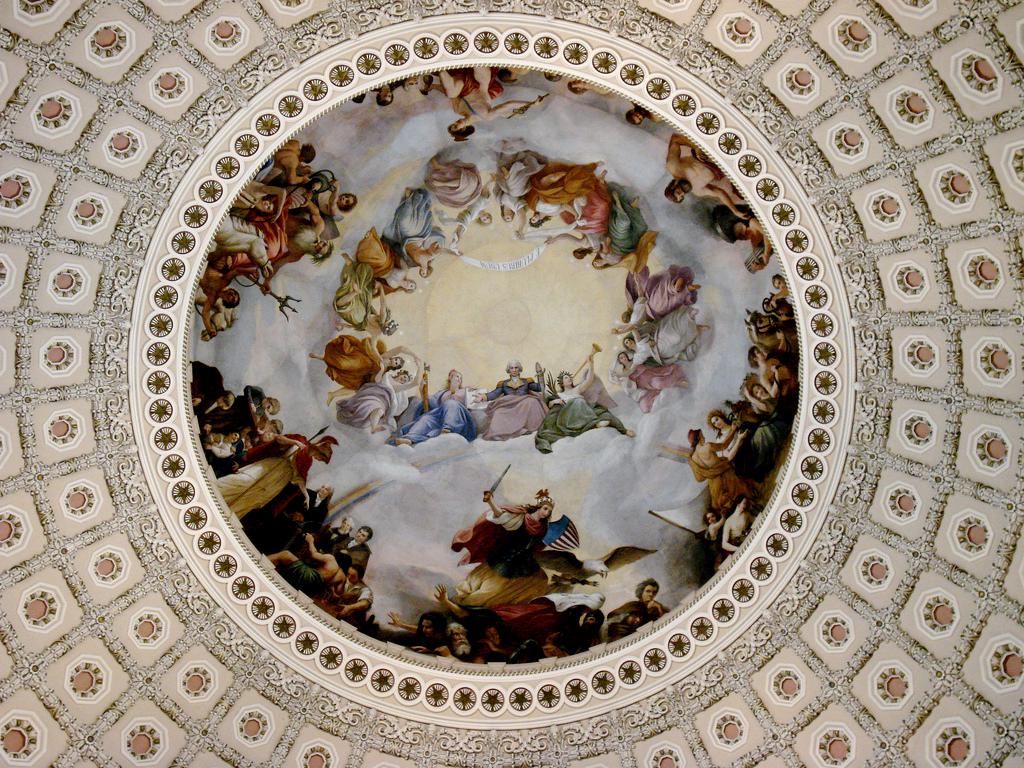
pixel 516 604
pixel 738 455
pixel 262 473
pixel 509 607
pixel 290 211
pixel 519 603
pixel 475 95
pixel 659 327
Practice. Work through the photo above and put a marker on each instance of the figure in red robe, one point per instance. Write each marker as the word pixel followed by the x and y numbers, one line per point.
pixel 502 544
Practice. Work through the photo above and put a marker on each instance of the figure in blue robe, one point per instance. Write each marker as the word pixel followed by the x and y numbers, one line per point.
pixel 447 414
pixel 412 234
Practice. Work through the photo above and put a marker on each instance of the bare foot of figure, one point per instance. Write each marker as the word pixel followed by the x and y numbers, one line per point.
pixel 630 433
pixel 403 441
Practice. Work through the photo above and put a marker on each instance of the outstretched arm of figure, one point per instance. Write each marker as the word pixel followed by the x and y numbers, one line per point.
pixel 414 381
pixel 636 315
pixel 209 300
pixel 727 195
pixel 284 557
pixel 733 448
pixel 538 384
pixel 493 110
pixel 347 610
pixel 470 213
pixel 382 307
pixel 315 219
pixel 395 620
pixel 444 218
pixel 316 554
pixel 441 595
pixel 553 234
pixel 588 374
pixel 285 440
pixel 639 310
pixel 675 148
pixel 494 394
pixel 426 88
pixel 519 219
pixel 489 501
pixel 453 245
pixel 572 235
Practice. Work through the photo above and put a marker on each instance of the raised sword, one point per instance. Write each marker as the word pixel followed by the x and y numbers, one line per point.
pixel 500 478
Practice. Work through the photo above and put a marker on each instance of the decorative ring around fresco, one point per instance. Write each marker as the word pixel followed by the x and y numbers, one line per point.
pixel 387 677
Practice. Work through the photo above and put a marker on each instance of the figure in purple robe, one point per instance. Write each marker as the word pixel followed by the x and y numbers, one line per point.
pixel 454 183
pixel 665 291
pixel 515 406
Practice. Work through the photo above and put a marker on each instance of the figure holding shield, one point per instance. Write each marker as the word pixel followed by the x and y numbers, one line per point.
pixel 502 543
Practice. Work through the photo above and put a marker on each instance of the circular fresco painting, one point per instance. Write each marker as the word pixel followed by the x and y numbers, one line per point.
pixel 494 365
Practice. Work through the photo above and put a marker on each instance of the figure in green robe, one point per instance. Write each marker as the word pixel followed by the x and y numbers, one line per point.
pixel 353 301
pixel 577 409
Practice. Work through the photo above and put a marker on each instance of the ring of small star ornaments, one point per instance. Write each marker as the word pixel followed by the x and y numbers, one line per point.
pixel 380 676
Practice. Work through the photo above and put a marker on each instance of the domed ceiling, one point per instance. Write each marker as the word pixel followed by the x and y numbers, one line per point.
pixel 527 384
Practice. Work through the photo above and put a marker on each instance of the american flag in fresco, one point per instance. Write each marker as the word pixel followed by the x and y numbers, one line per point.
pixel 562 534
